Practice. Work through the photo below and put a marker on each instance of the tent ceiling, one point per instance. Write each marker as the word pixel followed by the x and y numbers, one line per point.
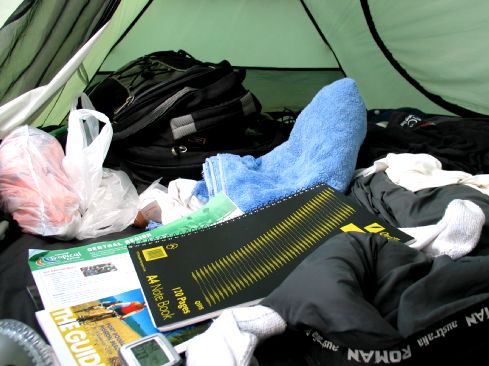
pixel 426 55
pixel 446 54
pixel 7 8
pixel 272 33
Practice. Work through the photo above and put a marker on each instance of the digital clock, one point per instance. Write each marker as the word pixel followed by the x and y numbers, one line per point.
pixel 152 350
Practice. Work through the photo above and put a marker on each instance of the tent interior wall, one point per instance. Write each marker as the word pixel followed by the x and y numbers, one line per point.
pixel 398 54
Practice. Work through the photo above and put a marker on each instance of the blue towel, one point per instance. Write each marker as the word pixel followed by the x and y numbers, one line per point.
pixel 322 148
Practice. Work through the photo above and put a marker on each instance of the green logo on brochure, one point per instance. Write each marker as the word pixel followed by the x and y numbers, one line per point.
pixel 57 258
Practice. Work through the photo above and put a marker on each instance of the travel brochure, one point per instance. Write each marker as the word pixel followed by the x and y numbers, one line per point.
pixel 92 275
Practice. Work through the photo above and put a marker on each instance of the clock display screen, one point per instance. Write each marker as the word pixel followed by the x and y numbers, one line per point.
pixel 150 354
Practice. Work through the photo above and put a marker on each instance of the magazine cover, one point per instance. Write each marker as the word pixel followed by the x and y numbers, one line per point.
pixel 91 333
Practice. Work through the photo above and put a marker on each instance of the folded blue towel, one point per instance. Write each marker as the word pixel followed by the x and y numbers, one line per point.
pixel 322 148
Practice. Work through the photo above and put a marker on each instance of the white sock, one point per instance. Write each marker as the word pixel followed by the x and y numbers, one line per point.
pixel 455 235
pixel 233 337
pixel 259 320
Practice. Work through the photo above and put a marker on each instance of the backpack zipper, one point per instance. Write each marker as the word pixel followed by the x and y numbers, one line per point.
pixel 128 101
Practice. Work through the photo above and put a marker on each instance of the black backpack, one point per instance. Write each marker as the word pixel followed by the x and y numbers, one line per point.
pixel 170 111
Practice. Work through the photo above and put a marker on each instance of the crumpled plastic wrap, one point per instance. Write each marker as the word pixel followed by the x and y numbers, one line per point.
pixel 33 185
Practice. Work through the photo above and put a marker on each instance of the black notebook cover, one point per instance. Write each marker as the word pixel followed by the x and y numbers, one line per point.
pixel 194 276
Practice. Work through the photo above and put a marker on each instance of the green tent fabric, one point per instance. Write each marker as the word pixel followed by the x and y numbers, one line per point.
pixel 426 55
pixel 53 33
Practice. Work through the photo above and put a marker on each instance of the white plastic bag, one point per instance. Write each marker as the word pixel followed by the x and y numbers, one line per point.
pixel 108 199
pixel 112 208
pixel 86 150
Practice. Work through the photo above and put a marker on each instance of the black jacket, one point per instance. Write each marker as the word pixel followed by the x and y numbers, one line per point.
pixel 362 299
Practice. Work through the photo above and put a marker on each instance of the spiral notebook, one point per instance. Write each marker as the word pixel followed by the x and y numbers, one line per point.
pixel 195 276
